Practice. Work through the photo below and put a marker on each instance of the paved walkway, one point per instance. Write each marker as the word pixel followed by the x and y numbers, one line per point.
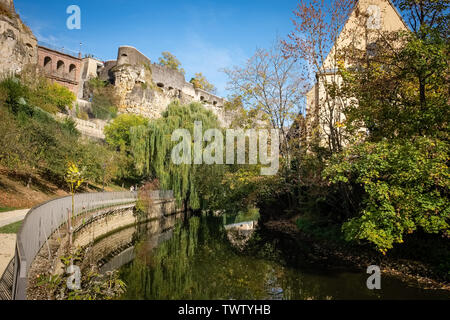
pixel 7 247
pixel 12 216
pixel 8 241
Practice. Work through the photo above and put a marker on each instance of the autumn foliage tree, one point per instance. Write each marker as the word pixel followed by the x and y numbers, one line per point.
pixel 170 61
pixel 401 99
pixel 270 83
pixel 199 81
pixel 317 27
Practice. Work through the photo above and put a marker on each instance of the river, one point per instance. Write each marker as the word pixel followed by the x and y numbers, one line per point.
pixel 197 260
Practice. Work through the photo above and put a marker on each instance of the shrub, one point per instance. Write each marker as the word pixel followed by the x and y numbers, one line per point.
pixel 406 186
pixel 104 99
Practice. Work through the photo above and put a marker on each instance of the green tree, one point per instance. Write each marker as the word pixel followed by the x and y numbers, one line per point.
pixel 118 131
pixel 170 61
pixel 152 148
pixel 400 96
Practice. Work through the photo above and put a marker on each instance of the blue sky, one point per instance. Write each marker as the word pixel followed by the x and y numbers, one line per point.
pixel 204 35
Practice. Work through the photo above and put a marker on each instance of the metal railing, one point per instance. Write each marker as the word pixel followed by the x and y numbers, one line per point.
pixel 42 221
pixel 63 50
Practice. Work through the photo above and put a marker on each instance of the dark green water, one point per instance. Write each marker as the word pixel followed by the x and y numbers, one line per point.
pixel 199 262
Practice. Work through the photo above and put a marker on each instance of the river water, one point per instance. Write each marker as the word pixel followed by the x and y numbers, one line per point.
pixel 197 260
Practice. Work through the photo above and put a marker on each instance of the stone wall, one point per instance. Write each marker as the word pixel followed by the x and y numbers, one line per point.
pixel 18 45
pixel 91 129
pixel 147 89
pixel 90 68
pixel 105 73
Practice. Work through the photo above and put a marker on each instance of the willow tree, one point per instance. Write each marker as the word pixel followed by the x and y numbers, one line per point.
pixel 152 148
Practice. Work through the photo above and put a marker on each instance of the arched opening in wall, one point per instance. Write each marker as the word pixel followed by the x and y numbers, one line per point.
pixel 48 64
pixel 161 85
pixel 72 71
pixel 60 67
pixel 215 103
pixel 202 98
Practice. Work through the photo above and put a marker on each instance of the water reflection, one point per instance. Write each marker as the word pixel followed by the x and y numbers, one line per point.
pixel 199 262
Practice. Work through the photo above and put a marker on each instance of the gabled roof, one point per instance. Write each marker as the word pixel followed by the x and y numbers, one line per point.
pixel 399 14
pixel 355 6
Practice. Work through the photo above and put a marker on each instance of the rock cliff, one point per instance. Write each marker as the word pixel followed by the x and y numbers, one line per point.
pixel 147 89
pixel 18 45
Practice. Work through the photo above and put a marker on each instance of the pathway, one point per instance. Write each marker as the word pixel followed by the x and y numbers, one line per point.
pixel 12 216
pixel 8 241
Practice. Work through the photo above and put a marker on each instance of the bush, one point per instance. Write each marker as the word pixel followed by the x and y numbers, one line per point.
pixel 32 139
pixel 50 97
pixel 406 186
pixel 104 99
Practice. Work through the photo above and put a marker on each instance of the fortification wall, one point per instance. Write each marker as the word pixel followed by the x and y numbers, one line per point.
pixel 167 78
pixel 105 73
pixel 130 55
pixel 147 89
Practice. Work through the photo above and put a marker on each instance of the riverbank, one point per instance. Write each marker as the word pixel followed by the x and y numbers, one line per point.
pixel 297 245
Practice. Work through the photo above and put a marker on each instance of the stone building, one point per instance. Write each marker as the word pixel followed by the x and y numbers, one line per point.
pixel 60 66
pixel 147 89
pixel 90 68
pixel 143 88
pixel 18 45
pixel 368 20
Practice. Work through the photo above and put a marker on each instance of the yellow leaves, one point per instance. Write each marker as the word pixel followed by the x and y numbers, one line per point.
pixel 74 176
pixel 339 124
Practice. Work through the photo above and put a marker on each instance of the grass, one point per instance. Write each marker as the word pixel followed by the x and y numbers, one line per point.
pixel 6 209
pixel 12 228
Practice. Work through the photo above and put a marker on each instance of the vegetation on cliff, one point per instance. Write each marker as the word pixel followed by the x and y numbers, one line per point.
pixel 105 101
pixel 32 140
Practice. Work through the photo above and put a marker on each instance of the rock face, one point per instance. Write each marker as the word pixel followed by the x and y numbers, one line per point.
pixel 147 89
pixel 18 45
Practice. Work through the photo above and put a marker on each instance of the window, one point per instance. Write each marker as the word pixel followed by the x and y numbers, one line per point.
pixel 60 66
pixel 72 71
pixel 48 64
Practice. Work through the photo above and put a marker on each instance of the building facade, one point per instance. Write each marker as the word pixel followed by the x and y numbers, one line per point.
pixel 60 67
pixel 368 20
